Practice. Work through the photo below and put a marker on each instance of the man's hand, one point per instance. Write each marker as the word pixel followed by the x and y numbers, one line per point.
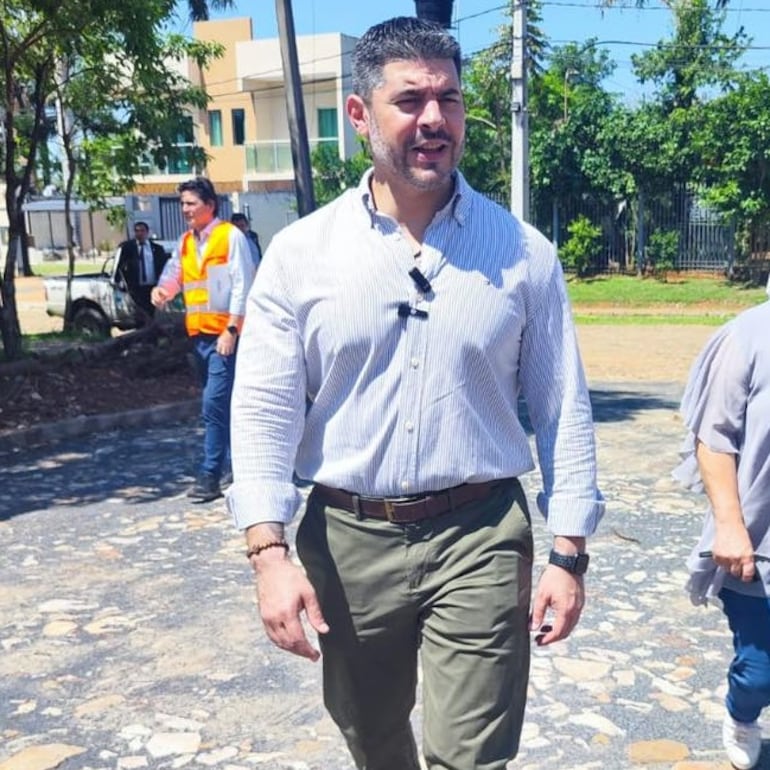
pixel 226 343
pixel 159 296
pixel 283 593
pixel 563 593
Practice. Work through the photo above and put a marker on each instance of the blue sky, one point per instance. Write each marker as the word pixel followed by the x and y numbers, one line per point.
pixel 475 23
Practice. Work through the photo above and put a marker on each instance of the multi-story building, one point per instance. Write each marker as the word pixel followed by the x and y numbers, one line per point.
pixel 244 131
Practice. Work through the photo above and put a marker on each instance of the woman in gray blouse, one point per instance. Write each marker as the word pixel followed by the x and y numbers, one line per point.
pixel 726 407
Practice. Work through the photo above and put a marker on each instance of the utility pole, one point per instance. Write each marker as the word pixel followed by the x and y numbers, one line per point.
pixel 295 109
pixel 519 115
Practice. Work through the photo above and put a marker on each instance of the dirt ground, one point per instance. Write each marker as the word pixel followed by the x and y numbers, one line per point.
pixel 622 353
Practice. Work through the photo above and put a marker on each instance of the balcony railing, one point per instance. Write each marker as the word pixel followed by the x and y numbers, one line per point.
pixel 183 164
pixel 275 157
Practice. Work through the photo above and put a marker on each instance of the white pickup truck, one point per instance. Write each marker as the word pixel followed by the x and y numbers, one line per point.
pixel 100 301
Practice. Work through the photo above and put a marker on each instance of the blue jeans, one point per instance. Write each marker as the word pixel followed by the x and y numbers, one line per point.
pixel 748 678
pixel 217 373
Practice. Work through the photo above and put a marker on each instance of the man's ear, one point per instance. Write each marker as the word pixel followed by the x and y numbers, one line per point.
pixel 358 114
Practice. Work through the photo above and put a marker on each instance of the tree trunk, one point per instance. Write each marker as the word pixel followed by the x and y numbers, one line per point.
pixel 9 316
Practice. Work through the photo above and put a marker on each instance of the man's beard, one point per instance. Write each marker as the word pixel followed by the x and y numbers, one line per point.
pixel 395 159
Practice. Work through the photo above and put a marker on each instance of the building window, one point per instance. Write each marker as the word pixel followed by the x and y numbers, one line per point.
pixel 327 123
pixel 182 161
pixel 215 128
pixel 239 126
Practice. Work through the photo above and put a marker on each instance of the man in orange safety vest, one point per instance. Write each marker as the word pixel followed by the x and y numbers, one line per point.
pixel 213 269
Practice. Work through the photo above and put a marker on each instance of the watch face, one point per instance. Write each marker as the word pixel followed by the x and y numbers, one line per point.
pixel 581 563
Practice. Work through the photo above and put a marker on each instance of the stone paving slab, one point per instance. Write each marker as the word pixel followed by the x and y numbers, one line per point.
pixel 129 636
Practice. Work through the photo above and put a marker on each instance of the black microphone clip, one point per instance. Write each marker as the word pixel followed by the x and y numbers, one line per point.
pixel 405 310
pixel 422 283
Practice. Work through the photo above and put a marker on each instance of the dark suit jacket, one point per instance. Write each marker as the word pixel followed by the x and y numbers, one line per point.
pixel 128 268
pixel 128 265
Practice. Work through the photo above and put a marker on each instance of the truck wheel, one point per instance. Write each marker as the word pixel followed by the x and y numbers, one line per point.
pixel 90 323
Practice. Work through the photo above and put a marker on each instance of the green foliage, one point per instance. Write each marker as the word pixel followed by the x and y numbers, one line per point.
pixel 662 250
pixel 734 142
pixel 583 247
pixel 109 66
pixel 568 108
pixel 698 56
pixel 486 163
pixel 332 175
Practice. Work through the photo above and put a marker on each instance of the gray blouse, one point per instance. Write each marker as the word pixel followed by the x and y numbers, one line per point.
pixel 726 405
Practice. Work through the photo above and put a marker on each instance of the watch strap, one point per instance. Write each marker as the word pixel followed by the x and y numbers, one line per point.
pixel 576 564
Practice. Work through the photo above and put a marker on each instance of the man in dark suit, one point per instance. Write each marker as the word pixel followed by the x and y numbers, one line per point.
pixel 140 263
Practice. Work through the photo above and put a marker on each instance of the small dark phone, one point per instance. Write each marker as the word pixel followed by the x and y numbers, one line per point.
pixel 757 557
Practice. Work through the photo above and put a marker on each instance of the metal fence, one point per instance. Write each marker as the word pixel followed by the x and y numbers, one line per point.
pixel 702 240
pixel 630 230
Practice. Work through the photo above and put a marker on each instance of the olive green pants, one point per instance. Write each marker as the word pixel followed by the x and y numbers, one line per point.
pixel 455 588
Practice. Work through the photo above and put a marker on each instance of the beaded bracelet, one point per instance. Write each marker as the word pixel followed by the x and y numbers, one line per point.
pixel 255 550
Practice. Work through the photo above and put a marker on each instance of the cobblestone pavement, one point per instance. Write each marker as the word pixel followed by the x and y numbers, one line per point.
pixel 129 637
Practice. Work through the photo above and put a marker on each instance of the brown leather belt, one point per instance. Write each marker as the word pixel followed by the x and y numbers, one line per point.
pixel 405 510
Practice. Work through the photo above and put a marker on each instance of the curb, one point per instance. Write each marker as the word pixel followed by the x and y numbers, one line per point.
pixel 165 414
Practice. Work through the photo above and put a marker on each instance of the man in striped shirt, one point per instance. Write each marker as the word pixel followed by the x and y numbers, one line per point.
pixel 410 314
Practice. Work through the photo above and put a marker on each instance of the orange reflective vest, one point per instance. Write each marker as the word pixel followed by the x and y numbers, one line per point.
pixel 199 317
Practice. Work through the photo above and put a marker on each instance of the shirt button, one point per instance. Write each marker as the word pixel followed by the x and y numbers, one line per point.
pixel 415 362
pixel 409 426
pixel 404 485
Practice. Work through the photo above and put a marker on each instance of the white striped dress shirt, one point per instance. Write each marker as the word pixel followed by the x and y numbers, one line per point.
pixel 404 405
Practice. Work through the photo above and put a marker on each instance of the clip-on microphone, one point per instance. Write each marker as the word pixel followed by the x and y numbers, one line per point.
pixel 422 283
pixel 405 310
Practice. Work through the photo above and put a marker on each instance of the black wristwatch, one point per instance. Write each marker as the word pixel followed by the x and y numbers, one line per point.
pixel 233 330
pixel 577 563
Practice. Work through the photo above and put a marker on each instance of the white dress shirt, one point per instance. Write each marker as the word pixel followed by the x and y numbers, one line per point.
pixel 404 405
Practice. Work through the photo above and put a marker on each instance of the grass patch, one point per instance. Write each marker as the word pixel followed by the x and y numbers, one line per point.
pixel 45 269
pixel 631 319
pixel 624 291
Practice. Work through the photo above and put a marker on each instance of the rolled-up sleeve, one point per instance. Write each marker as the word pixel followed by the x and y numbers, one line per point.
pixel 268 404
pixel 554 386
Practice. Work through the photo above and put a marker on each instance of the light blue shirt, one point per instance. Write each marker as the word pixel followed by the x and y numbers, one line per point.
pixel 404 405
pixel 239 265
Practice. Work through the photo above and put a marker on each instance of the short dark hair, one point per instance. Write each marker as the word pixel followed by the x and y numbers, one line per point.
pixel 140 223
pixel 203 188
pixel 239 217
pixel 404 38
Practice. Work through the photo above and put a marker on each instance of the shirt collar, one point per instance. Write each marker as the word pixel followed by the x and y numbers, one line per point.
pixel 457 207
pixel 204 234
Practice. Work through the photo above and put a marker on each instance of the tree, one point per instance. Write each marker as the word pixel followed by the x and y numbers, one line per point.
pixel 487 88
pixel 108 62
pixel 736 163
pixel 568 107
pixel 332 175
pixel 199 9
pixel 698 57
pixel 117 117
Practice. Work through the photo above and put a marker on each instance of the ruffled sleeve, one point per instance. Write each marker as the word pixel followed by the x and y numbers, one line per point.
pixel 714 403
